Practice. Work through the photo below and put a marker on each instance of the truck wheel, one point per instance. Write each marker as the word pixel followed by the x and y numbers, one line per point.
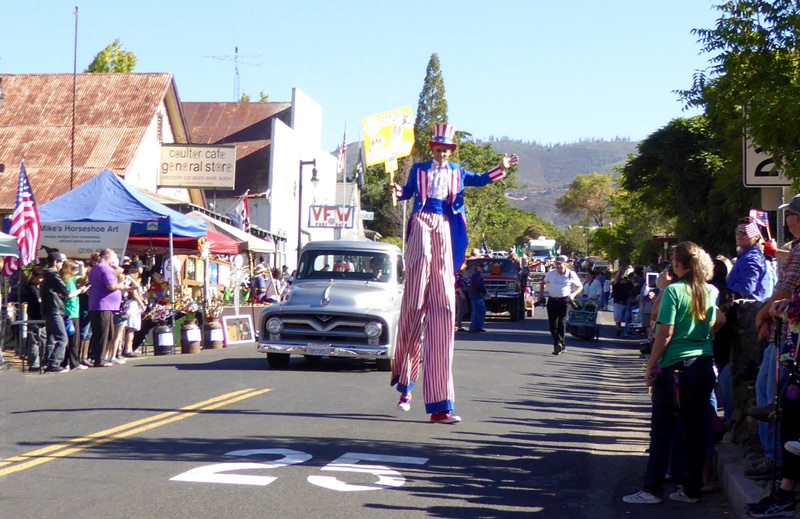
pixel 514 312
pixel 384 364
pixel 277 360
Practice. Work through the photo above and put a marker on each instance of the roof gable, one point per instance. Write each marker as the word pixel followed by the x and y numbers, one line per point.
pixel 112 113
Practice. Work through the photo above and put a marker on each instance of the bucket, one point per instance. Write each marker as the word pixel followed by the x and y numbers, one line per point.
pixel 213 335
pixel 191 337
pixel 163 340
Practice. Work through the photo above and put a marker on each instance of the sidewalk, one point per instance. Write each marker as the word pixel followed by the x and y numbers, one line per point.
pixel 728 459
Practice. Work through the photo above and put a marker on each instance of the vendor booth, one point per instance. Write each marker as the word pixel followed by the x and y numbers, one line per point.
pixel 107 199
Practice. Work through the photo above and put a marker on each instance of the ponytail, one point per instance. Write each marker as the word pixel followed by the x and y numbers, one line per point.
pixel 699 269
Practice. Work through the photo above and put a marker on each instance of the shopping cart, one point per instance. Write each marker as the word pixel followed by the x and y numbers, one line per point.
pixel 582 319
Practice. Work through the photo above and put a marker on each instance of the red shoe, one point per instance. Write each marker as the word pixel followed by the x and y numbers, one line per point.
pixel 446 417
pixel 405 402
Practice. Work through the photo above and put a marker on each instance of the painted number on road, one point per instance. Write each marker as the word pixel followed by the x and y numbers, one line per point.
pixel 348 462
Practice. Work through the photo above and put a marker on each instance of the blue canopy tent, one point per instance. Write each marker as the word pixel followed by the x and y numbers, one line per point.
pixel 107 198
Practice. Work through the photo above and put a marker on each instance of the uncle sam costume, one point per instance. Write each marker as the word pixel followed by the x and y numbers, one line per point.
pixel 436 243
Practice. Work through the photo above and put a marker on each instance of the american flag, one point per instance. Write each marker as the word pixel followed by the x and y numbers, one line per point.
pixel 24 225
pixel 342 152
pixel 760 217
pixel 751 229
pixel 240 213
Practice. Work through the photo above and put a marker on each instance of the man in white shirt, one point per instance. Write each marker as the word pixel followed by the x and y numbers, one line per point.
pixel 563 286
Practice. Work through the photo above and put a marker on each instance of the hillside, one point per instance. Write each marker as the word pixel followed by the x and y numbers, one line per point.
pixel 545 172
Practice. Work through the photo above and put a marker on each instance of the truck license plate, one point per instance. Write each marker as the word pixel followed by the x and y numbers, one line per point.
pixel 319 349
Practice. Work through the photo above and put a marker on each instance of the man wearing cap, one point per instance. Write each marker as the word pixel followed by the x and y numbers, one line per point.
pixel 560 282
pixel 750 276
pixel 437 241
pixel 54 291
pixel 477 291
pixel 259 284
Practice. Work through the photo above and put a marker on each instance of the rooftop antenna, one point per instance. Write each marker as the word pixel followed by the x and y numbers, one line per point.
pixel 236 62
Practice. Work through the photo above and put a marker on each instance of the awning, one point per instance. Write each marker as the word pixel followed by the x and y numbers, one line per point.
pixel 247 242
pixel 159 245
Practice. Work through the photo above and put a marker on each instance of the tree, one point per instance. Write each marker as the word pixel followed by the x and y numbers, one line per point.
pixel 113 58
pixel 587 197
pixel 753 76
pixel 262 97
pixel 683 172
pixel 245 98
pixel 431 108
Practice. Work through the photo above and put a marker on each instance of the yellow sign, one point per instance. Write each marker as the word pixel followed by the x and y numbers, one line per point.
pixel 386 135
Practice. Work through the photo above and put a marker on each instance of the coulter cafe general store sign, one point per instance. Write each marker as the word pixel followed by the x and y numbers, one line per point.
pixel 197 166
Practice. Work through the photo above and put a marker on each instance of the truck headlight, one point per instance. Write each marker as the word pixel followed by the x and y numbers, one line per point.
pixel 274 325
pixel 373 329
pixel 512 285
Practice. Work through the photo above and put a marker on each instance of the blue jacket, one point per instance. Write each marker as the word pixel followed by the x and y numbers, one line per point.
pixel 750 276
pixel 417 187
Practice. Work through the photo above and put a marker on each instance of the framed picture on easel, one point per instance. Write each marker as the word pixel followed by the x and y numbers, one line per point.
pixel 238 329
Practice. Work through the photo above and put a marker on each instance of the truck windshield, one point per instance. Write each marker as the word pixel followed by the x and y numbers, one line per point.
pixel 504 267
pixel 338 264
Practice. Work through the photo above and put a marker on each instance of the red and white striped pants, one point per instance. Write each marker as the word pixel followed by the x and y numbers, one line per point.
pixel 429 297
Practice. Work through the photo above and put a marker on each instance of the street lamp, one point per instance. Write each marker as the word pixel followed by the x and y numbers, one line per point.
pixel 300 200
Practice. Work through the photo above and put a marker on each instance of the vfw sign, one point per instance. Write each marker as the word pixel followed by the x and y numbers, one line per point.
pixel 338 216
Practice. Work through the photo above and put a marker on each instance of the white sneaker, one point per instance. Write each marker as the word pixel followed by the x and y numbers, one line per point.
pixel 116 360
pixel 405 402
pixel 680 496
pixel 642 497
pixel 80 366
pixel 793 447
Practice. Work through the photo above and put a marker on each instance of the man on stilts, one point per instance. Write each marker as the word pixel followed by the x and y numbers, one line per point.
pixel 437 241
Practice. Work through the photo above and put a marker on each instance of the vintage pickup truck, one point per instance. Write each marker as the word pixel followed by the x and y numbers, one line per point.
pixel 344 302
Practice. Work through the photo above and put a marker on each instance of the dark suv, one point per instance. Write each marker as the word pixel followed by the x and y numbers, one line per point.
pixel 505 283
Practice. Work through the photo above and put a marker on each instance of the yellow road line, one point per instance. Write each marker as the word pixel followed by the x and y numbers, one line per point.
pixel 123 431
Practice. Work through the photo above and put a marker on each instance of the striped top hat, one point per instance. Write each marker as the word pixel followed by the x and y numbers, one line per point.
pixel 443 135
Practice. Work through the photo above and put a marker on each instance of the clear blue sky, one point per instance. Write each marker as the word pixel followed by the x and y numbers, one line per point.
pixel 527 69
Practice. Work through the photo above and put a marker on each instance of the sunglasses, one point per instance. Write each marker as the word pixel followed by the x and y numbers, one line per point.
pixel 741 232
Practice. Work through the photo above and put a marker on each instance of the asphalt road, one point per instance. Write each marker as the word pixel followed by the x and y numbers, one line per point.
pixel 216 434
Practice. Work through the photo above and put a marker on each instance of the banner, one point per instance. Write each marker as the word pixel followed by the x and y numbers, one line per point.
pixel 386 135
pixel 81 239
pixel 337 216
pixel 197 166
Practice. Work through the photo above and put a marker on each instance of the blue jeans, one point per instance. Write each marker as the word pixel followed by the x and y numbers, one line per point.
pixel 695 383
pixel 478 314
pixel 765 393
pixel 56 340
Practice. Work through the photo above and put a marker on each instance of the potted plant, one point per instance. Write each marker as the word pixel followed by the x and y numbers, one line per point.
pixel 163 340
pixel 212 328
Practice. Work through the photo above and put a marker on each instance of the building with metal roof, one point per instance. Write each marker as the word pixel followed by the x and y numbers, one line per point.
pixel 278 145
pixel 114 121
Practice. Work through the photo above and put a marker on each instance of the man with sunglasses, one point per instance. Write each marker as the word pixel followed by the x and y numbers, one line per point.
pixel 751 276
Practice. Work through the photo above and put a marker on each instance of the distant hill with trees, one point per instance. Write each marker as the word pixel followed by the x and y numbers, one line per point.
pixel 545 171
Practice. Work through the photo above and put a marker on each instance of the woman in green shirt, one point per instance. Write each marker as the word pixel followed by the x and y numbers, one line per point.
pixel 69 273
pixel 680 372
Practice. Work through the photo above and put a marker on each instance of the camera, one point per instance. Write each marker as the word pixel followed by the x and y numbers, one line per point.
pixel 645 347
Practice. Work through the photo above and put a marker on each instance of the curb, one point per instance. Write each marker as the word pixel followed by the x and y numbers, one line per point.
pixel 738 489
